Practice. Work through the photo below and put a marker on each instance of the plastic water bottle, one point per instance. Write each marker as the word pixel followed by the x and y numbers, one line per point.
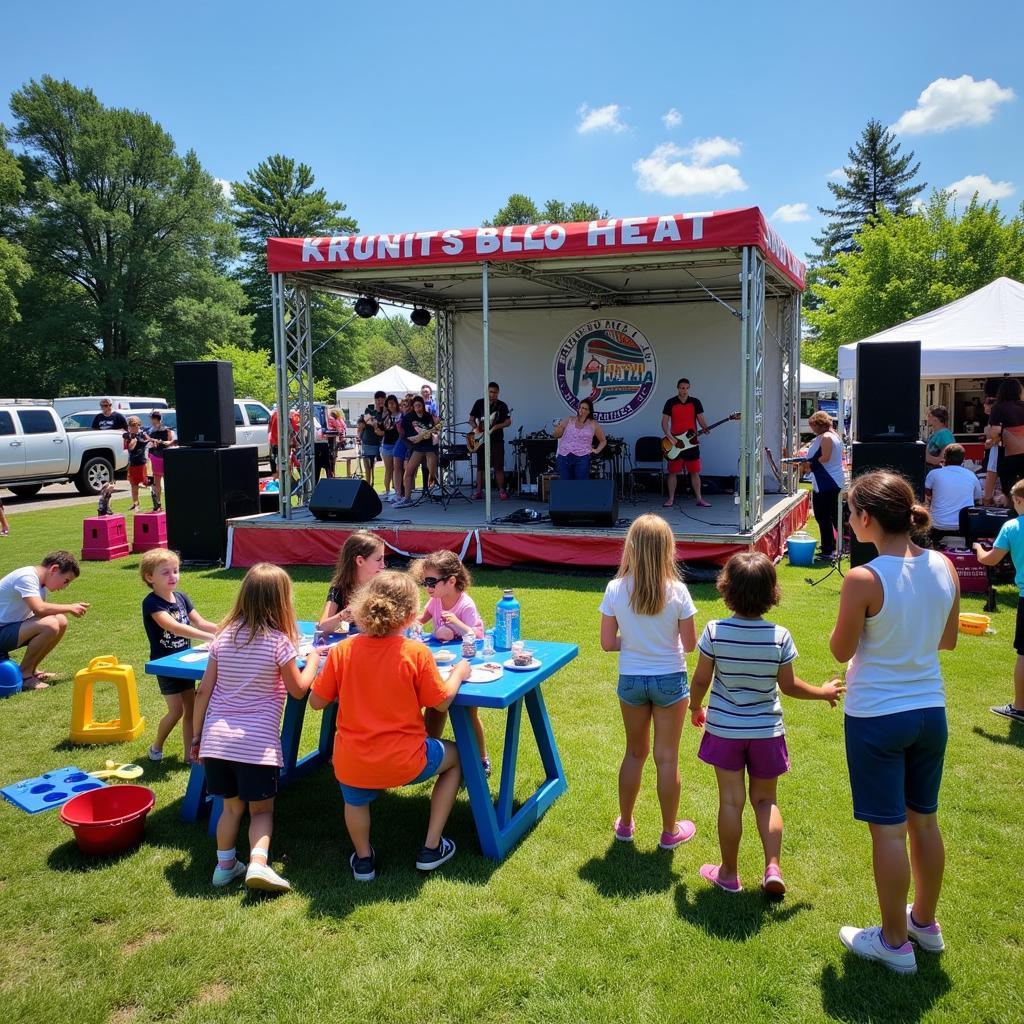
pixel 506 622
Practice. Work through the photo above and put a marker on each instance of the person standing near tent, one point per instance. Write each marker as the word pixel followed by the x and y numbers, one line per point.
pixel 824 461
pixel 1006 427
pixel 680 414
pixel 371 433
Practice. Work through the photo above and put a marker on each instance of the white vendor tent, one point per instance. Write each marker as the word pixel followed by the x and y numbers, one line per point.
pixel 980 335
pixel 395 380
pixel 816 380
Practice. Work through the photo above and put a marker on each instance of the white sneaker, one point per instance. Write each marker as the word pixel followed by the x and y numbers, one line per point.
pixel 930 938
pixel 867 942
pixel 225 876
pixel 155 755
pixel 264 877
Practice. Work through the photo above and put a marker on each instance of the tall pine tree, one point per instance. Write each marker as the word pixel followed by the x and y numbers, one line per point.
pixel 876 178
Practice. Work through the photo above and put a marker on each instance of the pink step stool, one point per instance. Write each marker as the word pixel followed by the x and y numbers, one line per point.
pixel 104 538
pixel 149 530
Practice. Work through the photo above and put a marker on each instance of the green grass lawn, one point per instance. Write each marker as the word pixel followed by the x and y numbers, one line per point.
pixel 571 927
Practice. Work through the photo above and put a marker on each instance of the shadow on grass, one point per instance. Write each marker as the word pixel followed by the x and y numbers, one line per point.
pixel 1015 738
pixel 69 859
pixel 311 848
pixel 626 872
pixel 734 916
pixel 868 992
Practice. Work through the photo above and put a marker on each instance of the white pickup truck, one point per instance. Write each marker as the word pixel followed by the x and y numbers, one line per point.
pixel 36 449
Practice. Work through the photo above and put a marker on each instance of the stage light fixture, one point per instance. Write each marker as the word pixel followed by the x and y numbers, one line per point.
pixel 420 316
pixel 366 306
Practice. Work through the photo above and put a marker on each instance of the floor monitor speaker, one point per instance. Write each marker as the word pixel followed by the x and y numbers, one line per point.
pixel 344 501
pixel 204 395
pixel 888 391
pixel 906 458
pixel 584 502
pixel 204 487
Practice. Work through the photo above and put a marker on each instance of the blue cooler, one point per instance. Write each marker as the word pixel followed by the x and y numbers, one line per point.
pixel 800 548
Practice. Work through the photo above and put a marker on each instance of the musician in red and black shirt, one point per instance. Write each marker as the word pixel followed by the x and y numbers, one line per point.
pixel 681 414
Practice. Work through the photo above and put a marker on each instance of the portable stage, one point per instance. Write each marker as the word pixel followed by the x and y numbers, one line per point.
pixel 615 310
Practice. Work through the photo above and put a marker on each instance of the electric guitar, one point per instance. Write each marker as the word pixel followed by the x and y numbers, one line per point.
pixel 680 444
pixel 425 433
pixel 475 438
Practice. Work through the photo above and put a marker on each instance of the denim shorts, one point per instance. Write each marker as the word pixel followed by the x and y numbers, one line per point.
pixel 400 450
pixel 387 449
pixel 661 690
pixel 356 796
pixel 370 451
pixel 895 763
pixel 9 632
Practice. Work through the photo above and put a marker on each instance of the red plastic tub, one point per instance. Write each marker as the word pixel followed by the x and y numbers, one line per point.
pixel 109 820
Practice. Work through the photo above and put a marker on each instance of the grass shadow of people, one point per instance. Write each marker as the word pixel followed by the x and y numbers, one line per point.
pixel 1015 737
pixel 868 992
pixel 733 916
pixel 627 872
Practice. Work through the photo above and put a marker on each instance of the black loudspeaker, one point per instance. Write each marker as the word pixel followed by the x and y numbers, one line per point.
pixel 907 459
pixel 345 501
pixel 584 503
pixel 204 487
pixel 204 395
pixel 888 391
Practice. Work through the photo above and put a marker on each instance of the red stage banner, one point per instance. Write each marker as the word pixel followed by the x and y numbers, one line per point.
pixel 613 236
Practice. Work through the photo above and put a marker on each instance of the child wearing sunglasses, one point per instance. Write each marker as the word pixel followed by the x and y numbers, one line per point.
pixel 453 614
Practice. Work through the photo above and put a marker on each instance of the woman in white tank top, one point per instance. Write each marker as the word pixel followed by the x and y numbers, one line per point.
pixel 895 614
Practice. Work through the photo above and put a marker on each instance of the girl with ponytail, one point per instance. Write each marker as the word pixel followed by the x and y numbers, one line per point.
pixel 895 614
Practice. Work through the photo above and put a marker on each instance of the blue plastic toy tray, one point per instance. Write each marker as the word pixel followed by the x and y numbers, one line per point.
pixel 50 789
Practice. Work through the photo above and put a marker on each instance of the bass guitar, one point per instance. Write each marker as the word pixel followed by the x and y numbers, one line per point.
pixel 680 444
pixel 475 438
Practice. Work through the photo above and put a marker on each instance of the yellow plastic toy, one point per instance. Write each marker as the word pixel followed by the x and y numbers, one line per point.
pixel 130 723
pixel 974 624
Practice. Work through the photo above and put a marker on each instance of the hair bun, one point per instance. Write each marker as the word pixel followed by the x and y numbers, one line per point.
pixel 920 519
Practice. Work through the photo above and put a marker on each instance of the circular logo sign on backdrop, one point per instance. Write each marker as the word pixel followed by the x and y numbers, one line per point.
pixel 611 363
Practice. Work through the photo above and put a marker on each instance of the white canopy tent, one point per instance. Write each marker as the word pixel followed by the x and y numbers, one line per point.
pixel 816 380
pixel 980 335
pixel 395 380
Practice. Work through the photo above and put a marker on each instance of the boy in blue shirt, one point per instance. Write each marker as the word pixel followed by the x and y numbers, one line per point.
pixel 1011 539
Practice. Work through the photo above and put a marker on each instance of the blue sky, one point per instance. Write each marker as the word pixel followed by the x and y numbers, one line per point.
pixel 426 116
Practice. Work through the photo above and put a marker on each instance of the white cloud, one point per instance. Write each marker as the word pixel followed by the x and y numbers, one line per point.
pixel 673 171
pixel 986 188
pixel 837 174
pixel 599 119
pixel 951 103
pixel 225 187
pixel 918 205
pixel 791 213
pixel 673 119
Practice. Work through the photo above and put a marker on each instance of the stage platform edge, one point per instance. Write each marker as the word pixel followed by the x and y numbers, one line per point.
pixel 304 540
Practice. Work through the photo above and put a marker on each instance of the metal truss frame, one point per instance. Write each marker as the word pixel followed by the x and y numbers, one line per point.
pixel 752 331
pixel 293 360
pixel 444 321
pixel 789 343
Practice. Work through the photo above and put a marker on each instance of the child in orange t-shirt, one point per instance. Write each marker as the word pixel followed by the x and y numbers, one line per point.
pixel 381 681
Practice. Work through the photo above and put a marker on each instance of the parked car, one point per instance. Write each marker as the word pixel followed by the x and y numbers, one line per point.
pixel 121 403
pixel 36 449
pixel 252 419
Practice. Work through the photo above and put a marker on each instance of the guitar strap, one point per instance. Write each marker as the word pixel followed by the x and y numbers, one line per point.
pixel 826 485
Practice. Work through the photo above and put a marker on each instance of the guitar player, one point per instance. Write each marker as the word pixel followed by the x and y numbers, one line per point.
pixel 497 419
pixel 683 413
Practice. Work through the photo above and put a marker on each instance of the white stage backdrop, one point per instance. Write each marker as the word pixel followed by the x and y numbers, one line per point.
pixel 629 359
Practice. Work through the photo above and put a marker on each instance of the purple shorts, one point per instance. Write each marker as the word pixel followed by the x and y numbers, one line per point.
pixel 763 759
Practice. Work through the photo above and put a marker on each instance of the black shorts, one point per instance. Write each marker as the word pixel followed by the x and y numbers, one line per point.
pixel 1018 634
pixel 169 687
pixel 497 457
pixel 248 782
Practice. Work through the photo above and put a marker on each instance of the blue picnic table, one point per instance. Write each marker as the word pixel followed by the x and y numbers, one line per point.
pixel 499 825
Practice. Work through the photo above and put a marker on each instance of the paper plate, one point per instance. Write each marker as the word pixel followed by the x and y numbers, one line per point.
pixel 511 664
pixel 480 673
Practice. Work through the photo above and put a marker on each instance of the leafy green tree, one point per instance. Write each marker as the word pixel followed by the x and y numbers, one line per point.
pixel 278 199
pixel 876 178
pixel 255 377
pixel 394 340
pixel 14 268
pixel 129 245
pixel 521 209
pixel 905 266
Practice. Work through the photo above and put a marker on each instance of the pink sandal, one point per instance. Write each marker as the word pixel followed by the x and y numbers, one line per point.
pixel 709 872
pixel 772 882
pixel 703 504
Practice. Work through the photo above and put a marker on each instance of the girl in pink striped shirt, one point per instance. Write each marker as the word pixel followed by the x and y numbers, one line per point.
pixel 253 666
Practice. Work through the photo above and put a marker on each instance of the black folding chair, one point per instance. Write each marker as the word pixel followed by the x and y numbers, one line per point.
pixel 649 460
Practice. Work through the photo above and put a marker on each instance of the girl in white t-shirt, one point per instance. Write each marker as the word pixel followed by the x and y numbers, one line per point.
pixel 648 616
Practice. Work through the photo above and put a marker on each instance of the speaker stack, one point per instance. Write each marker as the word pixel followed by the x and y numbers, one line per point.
pixel 888 419
pixel 206 481
pixel 344 501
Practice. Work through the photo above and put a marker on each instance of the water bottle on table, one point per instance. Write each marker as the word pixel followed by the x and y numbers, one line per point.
pixel 506 622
